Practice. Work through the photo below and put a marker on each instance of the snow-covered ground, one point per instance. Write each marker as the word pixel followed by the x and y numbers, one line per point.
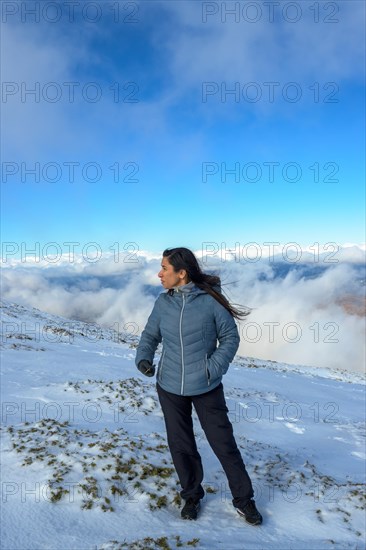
pixel 85 464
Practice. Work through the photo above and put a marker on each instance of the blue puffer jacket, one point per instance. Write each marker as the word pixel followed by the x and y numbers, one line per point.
pixel 189 322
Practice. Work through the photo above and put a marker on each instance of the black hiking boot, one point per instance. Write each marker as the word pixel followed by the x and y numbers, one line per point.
pixel 250 513
pixel 190 509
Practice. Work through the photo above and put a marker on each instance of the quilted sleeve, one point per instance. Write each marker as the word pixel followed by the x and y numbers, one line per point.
pixel 150 337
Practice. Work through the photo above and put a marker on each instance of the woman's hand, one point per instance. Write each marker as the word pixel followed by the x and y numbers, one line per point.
pixel 146 368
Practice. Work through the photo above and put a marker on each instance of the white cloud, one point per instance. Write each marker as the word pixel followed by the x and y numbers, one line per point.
pixel 225 48
pixel 301 320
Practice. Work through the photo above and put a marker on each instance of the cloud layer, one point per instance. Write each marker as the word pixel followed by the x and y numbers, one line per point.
pixel 311 314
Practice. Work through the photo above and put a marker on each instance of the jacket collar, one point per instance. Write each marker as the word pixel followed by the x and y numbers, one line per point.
pixel 189 288
pixel 184 288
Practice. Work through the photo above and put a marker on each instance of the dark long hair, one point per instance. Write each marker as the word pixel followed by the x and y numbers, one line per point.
pixel 183 258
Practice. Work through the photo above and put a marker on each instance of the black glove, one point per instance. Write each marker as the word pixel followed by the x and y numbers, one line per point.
pixel 146 368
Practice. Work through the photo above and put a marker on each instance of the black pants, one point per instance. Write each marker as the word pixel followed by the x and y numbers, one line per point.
pixel 212 413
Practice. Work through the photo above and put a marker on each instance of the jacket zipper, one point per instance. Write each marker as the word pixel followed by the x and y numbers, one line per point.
pixel 181 343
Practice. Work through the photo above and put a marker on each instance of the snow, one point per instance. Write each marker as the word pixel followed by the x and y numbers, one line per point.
pixel 85 464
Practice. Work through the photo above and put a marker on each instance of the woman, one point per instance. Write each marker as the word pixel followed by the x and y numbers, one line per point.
pixel 189 319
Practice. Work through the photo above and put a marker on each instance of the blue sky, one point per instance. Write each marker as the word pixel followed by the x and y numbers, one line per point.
pixel 299 154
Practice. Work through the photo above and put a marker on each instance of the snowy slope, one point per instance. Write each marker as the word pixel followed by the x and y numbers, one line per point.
pixel 85 463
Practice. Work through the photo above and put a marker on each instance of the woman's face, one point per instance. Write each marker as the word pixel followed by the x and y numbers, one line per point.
pixel 170 278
